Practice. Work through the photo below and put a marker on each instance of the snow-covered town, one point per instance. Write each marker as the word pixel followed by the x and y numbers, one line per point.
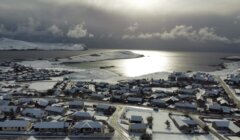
pixel 47 103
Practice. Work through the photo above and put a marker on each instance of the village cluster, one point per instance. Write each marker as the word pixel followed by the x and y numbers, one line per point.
pixel 73 108
pixel 20 73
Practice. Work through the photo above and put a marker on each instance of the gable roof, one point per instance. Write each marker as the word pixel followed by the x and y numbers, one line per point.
pixel 88 124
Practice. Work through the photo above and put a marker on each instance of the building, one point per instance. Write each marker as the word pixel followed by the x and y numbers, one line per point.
pixel 15 125
pixel 137 128
pixel 103 107
pixel 51 127
pixel 88 126
pixel 34 112
pixel 55 110
pixel 76 104
pixel 134 100
pixel 80 115
pixel 186 106
pixel 184 124
pixel 228 126
pixel 159 103
pixel 136 119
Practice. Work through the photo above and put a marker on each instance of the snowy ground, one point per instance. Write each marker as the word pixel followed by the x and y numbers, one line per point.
pixel 183 137
pixel 159 130
pixel 42 85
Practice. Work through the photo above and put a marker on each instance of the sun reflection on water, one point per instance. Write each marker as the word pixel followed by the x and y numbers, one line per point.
pixel 152 62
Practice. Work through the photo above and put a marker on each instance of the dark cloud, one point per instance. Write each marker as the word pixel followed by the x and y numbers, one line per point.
pixel 103 23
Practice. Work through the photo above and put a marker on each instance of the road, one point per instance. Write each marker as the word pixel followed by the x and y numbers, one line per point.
pixel 120 133
pixel 229 91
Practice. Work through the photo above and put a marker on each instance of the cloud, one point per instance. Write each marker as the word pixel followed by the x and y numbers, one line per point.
pixel 133 27
pixel 236 40
pixel 237 20
pixel 28 27
pixel 79 32
pixel 55 30
pixel 183 32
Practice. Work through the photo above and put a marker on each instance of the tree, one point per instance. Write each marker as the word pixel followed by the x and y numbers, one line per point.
pixel 149 120
pixel 146 136
pixel 168 124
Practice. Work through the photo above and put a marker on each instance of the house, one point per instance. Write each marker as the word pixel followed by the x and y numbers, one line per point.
pixel 184 124
pixel 15 125
pixel 136 119
pixel 103 107
pixel 55 110
pixel 8 110
pixel 178 76
pixel 158 103
pixel 138 128
pixel 116 98
pixel 171 100
pixel 200 99
pixel 97 96
pixel 186 106
pixel 80 115
pixel 222 101
pixel 187 91
pixel 50 127
pixel 42 103
pixel 134 100
pixel 88 126
pixel 34 112
pixel 216 108
pixel 76 104
pixel 212 93
pixel 228 126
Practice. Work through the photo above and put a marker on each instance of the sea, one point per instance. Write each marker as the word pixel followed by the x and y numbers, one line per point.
pixel 153 60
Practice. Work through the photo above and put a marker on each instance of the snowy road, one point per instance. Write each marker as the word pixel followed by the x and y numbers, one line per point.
pixel 120 133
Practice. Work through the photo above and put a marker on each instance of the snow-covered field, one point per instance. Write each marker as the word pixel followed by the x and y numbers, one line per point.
pixel 100 56
pixel 42 85
pixel 11 44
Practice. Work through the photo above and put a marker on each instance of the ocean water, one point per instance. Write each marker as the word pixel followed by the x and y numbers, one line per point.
pixel 153 61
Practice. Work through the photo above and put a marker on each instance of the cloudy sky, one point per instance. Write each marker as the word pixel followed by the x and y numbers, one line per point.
pixel 136 24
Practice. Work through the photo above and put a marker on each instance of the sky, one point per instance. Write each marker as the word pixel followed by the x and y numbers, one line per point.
pixel 195 25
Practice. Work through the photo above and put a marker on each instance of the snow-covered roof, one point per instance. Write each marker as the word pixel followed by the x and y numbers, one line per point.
pixel 82 114
pixel 88 124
